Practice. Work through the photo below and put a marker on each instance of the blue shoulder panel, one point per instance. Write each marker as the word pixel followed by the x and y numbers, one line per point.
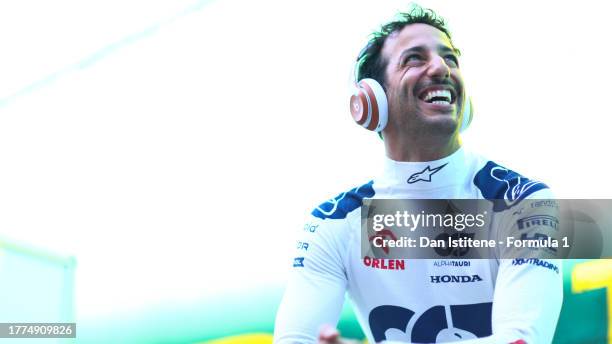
pixel 339 206
pixel 505 187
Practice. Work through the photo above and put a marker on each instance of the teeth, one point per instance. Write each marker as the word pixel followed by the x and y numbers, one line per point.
pixel 438 93
pixel 441 102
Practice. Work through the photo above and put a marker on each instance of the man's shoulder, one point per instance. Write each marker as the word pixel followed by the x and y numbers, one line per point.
pixel 498 182
pixel 344 203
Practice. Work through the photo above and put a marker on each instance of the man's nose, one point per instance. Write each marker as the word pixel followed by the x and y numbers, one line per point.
pixel 438 67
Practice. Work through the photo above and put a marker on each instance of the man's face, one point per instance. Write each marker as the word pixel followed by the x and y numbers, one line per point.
pixel 423 83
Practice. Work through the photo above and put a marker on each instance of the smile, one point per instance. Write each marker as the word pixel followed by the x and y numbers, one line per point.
pixel 442 95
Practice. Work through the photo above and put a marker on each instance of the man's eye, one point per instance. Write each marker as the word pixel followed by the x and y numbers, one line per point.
pixel 412 58
pixel 452 59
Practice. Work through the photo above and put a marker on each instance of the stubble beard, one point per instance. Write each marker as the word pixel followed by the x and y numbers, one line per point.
pixel 416 123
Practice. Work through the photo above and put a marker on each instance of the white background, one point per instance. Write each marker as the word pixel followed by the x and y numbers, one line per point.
pixel 174 147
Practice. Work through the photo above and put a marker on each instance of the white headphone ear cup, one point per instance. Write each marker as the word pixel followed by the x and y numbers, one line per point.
pixel 467 115
pixel 378 113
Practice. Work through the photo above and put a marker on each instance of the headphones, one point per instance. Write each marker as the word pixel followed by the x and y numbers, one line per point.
pixel 369 106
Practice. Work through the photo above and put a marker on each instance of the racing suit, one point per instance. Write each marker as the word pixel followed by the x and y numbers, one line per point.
pixel 425 300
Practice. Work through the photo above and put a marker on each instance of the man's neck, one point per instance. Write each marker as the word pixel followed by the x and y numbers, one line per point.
pixel 422 150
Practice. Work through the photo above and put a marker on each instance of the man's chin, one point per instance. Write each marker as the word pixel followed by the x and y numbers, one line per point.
pixel 439 123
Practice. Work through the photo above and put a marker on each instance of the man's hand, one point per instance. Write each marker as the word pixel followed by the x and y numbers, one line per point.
pixel 330 335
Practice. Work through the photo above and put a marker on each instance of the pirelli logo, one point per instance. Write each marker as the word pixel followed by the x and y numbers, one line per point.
pixel 538 220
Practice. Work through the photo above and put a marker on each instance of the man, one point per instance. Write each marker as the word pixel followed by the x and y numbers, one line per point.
pixel 422 301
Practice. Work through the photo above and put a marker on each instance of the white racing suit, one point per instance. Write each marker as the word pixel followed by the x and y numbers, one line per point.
pixel 427 300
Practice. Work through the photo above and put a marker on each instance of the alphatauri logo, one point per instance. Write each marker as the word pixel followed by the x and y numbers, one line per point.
pixel 424 175
pixel 455 279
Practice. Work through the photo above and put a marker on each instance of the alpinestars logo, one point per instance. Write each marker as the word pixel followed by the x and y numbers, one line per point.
pixel 424 175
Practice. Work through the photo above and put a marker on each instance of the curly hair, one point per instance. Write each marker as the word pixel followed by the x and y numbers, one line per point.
pixel 371 63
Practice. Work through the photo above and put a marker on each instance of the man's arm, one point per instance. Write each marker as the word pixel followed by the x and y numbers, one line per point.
pixel 315 292
pixel 527 301
pixel 529 290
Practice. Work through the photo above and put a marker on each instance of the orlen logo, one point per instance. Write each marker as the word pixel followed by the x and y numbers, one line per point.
pixel 383 263
pixel 455 279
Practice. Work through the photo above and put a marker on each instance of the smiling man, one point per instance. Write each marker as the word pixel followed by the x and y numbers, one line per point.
pixel 424 91
pixel 411 300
